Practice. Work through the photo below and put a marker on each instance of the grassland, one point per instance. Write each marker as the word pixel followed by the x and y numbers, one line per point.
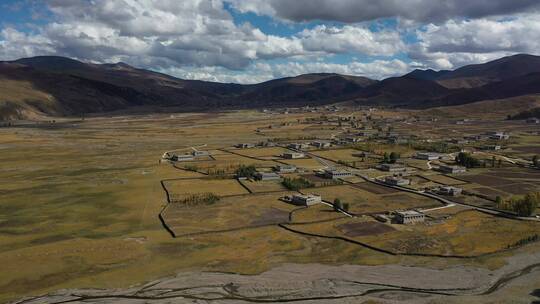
pixel 467 233
pixel 79 205
pixel 362 201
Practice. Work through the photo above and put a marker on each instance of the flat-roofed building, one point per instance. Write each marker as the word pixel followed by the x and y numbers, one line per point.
pixel 183 157
pixel 266 176
pixel 427 156
pixel 492 147
pixel 245 146
pixel 409 217
pixel 293 155
pixel 393 167
pixel 449 190
pixel 298 146
pixel 352 139
pixel 498 135
pixel 397 181
pixel 285 168
pixel 336 173
pixel 306 200
pixel 320 144
pixel 198 153
pixel 452 169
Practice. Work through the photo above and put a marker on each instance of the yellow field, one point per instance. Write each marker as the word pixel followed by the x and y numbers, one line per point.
pixel 339 154
pixel 468 233
pixel 220 187
pixel 306 163
pixel 79 207
pixel 264 186
pixel 262 152
pixel 229 213
pixel 441 179
pixel 362 201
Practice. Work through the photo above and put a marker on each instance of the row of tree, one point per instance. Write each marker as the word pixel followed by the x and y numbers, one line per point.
pixel 297 183
pixel 522 206
pixel 196 199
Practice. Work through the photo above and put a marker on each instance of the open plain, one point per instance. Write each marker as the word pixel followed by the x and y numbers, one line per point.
pixel 94 204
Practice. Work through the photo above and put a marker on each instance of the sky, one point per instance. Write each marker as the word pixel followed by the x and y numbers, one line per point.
pixel 250 41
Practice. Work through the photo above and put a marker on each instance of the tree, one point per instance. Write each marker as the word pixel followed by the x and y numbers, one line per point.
pixel 465 159
pixel 500 202
pixel 296 184
pixel 246 171
pixel 337 205
pixel 524 206
pixel 536 161
pixel 527 206
pixel 346 207
pixel 493 159
pixel 386 158
pixel 394 157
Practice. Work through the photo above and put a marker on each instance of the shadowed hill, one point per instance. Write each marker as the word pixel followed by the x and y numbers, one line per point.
pixel 50 85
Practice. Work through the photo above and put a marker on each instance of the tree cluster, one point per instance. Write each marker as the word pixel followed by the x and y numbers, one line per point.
pixel 390 158
pixel 522 206
pixel 297 183
pixel 246 171
pixel 466 160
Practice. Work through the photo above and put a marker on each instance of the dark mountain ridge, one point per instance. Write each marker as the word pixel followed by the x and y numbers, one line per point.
pixel 72 87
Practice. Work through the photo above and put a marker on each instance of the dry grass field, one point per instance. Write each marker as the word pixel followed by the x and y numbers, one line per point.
pixel 79 205
pixel 305 163
pixel 363 201
pixel 263 186
pixel 220 187
pixel 467 233
pixel 339 154
pixel 229 213
pixel 262 152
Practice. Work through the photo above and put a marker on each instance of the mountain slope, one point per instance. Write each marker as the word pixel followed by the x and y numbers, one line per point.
pixel 477 75
pixel 306 89
pixel 403 91
pixel 33 87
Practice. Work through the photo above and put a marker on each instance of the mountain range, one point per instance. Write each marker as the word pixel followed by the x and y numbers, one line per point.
pixel 57 86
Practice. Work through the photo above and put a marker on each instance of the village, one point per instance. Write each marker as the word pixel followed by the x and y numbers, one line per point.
pixel 361 176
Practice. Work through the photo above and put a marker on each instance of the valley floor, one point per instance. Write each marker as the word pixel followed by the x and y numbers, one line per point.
pixel 79 206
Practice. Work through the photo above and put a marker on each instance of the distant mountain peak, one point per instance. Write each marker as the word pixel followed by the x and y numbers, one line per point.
pixel 79 87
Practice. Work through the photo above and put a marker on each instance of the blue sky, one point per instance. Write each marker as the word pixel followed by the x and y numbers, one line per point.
pixel 255 40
